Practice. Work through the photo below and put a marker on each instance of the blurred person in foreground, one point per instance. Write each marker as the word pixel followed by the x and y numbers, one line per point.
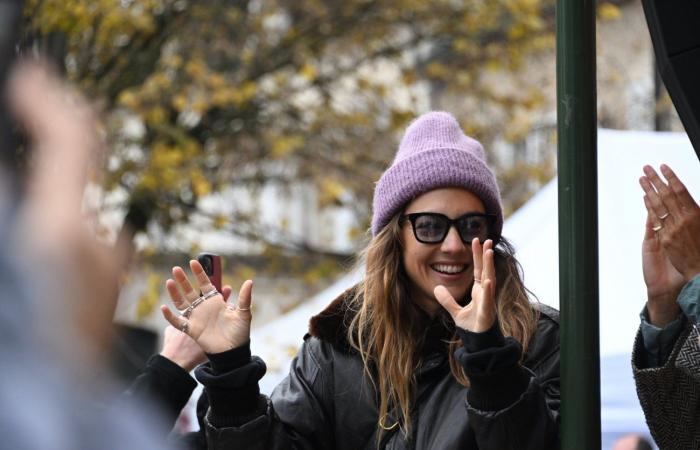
pixel 666 357
pixel 58 286
pixel 438 347
pixel 632 441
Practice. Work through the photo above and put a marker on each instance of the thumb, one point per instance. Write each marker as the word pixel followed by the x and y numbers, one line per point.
pixel 445 299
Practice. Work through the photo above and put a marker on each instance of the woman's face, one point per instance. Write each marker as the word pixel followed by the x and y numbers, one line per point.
pixel 448 263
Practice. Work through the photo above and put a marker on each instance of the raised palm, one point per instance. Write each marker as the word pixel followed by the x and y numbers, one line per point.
pixel 214 325
pixel 479 315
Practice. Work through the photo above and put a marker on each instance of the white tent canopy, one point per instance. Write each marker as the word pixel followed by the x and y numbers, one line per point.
pixel 533 230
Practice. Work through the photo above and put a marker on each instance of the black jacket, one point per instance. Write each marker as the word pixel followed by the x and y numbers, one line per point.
pixel 326 403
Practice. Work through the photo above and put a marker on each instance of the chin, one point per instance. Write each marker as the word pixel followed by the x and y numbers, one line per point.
pixel 460 296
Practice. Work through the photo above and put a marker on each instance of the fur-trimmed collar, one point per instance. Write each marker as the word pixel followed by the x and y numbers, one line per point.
pixel 330 325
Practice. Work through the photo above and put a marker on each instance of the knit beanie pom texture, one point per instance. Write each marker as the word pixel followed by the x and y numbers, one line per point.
pixel 435 153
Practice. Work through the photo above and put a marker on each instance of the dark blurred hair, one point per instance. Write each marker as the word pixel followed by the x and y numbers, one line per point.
pixel 644 444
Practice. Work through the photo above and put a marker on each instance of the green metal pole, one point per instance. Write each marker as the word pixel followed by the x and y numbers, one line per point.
pixel 578 224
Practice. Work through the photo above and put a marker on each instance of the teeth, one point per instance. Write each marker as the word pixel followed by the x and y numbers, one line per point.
pixel 445 268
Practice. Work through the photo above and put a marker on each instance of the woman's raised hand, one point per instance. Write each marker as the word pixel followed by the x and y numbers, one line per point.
pixel 676 218
pixel 480 314
pixel 671 246
pixel 214 325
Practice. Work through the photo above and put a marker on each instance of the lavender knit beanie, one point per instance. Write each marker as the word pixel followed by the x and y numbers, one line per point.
pixel 435 153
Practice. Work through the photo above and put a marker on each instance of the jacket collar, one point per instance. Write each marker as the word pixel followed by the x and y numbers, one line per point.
pixel 331 325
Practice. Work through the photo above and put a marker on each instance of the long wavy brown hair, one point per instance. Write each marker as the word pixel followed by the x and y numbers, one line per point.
pixel 383 324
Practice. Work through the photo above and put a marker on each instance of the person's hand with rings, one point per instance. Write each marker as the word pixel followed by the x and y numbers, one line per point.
pixel 671 246
pixel 180 348
pixel 213 324
pixel 480 314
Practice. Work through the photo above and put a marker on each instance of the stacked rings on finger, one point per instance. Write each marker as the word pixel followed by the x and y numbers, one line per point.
pixel 186 313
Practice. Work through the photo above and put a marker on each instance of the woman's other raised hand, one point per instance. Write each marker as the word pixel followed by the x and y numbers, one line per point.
pixel 671 246
pixel 480 314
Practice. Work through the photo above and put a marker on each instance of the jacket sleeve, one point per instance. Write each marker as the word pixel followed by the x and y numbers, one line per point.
pixel 164 384
pixel 670 394
pixel 511 405
pixel 297 416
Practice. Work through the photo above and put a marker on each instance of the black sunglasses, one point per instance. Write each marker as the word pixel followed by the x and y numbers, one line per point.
pixel 432 228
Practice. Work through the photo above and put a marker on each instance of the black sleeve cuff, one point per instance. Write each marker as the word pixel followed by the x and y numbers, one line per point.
pixel 231 382
pixel 164 383
pixel 491 361
pixel 474 342
pixel 231 359
pixel 170 370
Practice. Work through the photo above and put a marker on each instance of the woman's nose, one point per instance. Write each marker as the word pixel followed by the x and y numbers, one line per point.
pixel 453 242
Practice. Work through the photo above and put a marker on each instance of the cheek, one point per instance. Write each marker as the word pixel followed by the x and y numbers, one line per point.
pixel 414 262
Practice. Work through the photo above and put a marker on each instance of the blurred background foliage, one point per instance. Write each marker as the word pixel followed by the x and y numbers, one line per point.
pixel 199 96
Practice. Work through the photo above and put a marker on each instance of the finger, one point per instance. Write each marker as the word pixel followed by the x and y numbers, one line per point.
pixel 682 194
pixel 200 275
pixel 488 286
pixel 245 296
pixel 172 318
pixel 226 291
pixel 489 272
pixel 487 299
pixel 652 200
pixel 653 217
pixel 649 233
pixel 175 295
pixel 477 256
pixel 667 197
pixel 443 296
pixel 184 284
pixel 62 130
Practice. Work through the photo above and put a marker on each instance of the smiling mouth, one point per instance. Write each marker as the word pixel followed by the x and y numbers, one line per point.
pixel 449 269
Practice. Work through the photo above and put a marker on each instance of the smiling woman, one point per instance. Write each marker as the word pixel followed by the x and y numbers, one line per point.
pixel 437 347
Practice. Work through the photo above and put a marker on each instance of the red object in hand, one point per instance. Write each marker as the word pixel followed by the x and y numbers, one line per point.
pixel 211 264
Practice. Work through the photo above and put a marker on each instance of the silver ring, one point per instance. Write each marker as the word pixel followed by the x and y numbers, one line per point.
pixel 186 313
pixel 477 280
pixel 210 294
pixel 657 227
pixel 234 307
pixel 664 216
pixel 185 326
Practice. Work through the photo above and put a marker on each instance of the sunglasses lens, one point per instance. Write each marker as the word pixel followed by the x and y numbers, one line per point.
pixel 473 227
pixel 430 228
